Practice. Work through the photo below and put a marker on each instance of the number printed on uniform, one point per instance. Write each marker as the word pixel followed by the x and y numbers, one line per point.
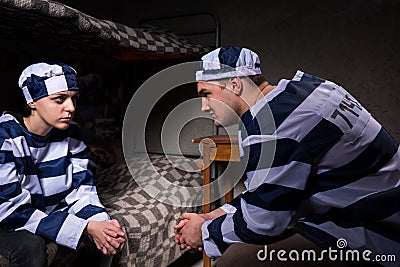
pixel 349 110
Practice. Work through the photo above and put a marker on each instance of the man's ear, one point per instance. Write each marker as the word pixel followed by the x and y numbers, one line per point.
pixel 237 85
pixel 32 105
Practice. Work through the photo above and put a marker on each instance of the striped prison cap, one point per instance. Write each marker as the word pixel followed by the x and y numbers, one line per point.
pixel 42 79
pixel 228 62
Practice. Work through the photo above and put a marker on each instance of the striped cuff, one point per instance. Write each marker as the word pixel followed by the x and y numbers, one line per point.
pixel 71 231
pixel 209 246
pixel 228 208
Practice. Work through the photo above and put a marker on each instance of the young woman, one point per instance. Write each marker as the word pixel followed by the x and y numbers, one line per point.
pixel 46 191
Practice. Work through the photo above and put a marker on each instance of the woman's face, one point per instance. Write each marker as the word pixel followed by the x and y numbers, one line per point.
pixel 55 110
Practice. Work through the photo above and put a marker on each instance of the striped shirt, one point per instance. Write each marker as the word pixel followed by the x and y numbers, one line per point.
pixel 316 162
pixel 45 186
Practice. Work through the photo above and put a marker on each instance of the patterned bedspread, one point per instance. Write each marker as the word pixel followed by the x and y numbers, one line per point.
pixel 147 222
pixel 30 22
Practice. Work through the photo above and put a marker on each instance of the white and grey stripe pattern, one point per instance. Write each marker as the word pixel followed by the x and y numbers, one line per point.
pixel 332 164
pixel 40 173
pixel 228 62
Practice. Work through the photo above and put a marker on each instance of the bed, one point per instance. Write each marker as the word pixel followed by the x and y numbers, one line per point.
pixel 148 223
pixel 27 23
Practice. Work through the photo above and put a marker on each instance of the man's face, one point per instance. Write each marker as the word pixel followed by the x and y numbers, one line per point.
pixel 219 101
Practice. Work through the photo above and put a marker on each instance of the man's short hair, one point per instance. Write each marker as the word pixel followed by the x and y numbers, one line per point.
pixel 257 79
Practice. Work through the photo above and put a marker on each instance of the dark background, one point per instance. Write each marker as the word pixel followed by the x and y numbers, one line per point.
pixel 353 43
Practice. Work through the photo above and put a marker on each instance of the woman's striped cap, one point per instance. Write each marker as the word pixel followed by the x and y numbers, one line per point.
pixel 42 79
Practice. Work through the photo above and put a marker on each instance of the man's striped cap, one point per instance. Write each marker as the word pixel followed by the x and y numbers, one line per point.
pixel 42 79
pixel 228 62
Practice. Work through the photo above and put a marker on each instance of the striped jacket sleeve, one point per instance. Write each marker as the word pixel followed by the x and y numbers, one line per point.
pixel 83 200
pixel 264 211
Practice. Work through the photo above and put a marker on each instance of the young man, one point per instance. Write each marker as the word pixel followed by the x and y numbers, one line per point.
pixel 46 191
pixel 322 174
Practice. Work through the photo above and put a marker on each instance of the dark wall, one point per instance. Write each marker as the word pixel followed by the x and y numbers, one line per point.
pixel 354 43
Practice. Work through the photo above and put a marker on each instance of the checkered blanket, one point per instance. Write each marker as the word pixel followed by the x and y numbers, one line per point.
pixel 147 222
pixel 30 22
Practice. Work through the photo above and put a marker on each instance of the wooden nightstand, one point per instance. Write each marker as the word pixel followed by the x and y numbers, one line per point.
pixel 216 148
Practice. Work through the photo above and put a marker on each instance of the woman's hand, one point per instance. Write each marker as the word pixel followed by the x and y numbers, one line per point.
pixel 107 236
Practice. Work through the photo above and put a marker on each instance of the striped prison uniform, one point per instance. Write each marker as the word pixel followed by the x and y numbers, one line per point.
pixel 316 162
pixel 45 186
